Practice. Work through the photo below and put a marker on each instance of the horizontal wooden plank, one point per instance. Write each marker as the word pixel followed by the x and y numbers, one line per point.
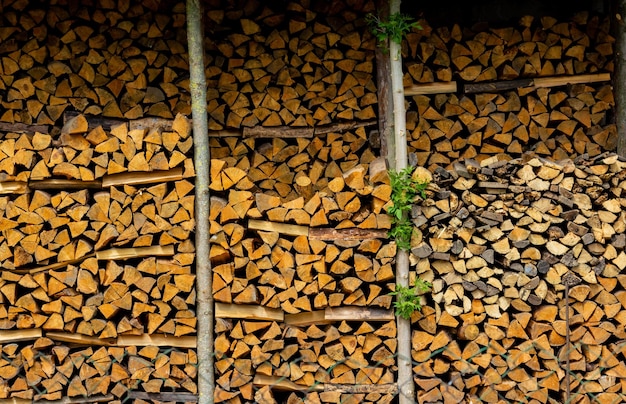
pixel 431 88
pixel 142 177
pixel 328 234
pixel 539 82
pixel 13 187
pixel 138 252
pixel 77 400
pixel 280 383
pixel 179 397
pixel 157 340
pixel 250 312
pixel 63 184
pixel 22 128
pixel 284 228
pixel 333 314
pixel 10 336
pixel 79 339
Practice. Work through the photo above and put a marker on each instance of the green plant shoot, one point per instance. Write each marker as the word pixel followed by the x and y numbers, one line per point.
pixel 408 299
pixel 394 29
pixel 404 192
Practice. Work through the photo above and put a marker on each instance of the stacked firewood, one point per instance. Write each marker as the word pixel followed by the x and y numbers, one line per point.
pixel 536 47
pixel 305 359
pixel 285 64
pixel 115 60
pixel 557 123
pixel 138 208
pixel 96 241
pixel 44 370
pixel 299 224
pixel 523 255
pixel 502 107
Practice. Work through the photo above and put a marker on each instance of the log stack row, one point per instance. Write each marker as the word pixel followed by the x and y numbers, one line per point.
pixel 93 255
pixel 118 60
pixel 45 370
pixel 287 64
pixel 303 359
pixel 510 95
pixel 523 255
pixel 299 224
pixel 537 47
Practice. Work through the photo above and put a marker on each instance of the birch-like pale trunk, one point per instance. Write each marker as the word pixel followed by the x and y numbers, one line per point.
pixel 202 158
pixel 406 387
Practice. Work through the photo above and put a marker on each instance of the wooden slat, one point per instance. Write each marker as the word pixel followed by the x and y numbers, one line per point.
pixel 141 178
pixel 540 82
pixel 177 397
pixel 250 312
pixel 157 340
pixel 13 187
pixel 62 184
pixel 9 336
pixel 79 339
pixel 280 383
pixel 431 88
pixel 289 229
pixel 333 314
pixel 126 253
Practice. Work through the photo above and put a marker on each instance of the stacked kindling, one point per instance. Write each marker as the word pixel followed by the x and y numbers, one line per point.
pixel 301 358
pixel 513 91
pixel 300 224
pixel 289 63
pixel 523 255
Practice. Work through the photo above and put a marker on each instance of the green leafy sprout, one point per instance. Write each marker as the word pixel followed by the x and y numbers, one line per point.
pixel 404 193
pixel 408 299
pixel 394 29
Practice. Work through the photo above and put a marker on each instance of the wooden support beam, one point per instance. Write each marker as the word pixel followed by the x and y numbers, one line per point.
pixel 249 312
pixel 539 82
pixel 333 314
pixel 178 397
pixel 11 336
pixel 22 128
pixel 138 252
pixel 142 178
pixel 13 187
pixel 157 340
pixel 431 88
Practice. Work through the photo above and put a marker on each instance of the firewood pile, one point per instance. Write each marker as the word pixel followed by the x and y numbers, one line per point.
pixel 299 224
pixel 97 292
pixel 306 359
pixel 298 64
pixel 522 255
pixel 513 91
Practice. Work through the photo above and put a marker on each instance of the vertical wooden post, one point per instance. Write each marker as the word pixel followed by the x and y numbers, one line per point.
pixel 620 76
pixel 385 99
pixel 202 158
pixel 406 387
